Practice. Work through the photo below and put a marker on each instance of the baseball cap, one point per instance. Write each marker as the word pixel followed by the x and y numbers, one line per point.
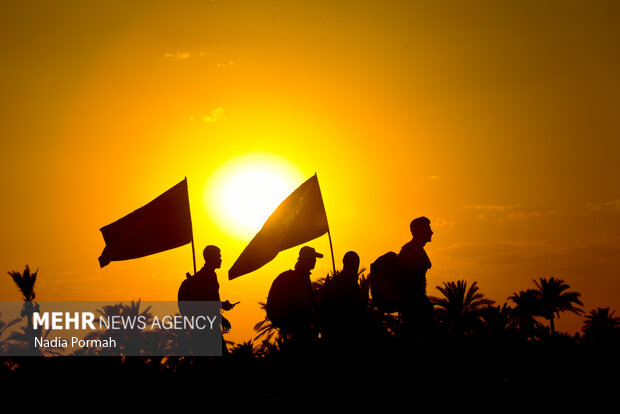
pixel 307 252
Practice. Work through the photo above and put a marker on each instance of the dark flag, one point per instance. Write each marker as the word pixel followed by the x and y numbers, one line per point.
pixel 298 219
pixel 162 224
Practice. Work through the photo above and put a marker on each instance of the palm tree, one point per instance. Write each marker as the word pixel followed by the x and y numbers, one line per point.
pixel 497 320
pixel 132 341
pixel 601 325
pixel 3 327
pixel 25 283
pixel 265 330
pixel 554 299
pixel 527 307
pixel 245 351
pixel 21 342
pixel 460 309
pixel 171 342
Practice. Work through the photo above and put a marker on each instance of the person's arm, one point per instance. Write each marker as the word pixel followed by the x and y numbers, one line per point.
pixel 226 305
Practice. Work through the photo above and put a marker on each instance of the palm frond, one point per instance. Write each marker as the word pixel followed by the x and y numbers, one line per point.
pixel 25 282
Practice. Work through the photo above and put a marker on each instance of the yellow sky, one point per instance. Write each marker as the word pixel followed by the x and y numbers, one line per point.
pixel 497 120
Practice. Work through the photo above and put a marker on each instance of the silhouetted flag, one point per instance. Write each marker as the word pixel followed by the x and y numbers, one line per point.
pixel 162 224
pixel 298 219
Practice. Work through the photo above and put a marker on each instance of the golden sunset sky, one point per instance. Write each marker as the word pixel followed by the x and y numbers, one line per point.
pixel 497 120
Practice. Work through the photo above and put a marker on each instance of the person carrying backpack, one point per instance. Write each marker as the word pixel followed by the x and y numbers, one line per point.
pixel 291 298
pixel 204 287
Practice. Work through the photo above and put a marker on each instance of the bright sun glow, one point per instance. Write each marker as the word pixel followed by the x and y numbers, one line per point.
pixel 242 193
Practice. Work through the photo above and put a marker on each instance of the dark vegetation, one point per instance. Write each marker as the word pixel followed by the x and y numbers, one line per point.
pixel 478 351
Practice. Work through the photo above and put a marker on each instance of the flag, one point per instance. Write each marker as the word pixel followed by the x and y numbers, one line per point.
pixel 162 224
pixel 298 219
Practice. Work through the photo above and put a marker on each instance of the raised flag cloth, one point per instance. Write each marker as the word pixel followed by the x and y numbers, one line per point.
pixel 162 224
pixel 298 219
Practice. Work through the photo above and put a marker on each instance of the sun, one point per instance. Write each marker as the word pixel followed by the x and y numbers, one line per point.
pixel 244 191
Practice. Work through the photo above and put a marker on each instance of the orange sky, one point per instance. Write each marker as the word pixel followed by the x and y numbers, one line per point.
pixel 497 120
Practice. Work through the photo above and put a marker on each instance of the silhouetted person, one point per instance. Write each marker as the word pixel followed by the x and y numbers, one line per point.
pixel 291 299
pixel 417 312
pixel 348 283
pixel 203 286
pixel 342 304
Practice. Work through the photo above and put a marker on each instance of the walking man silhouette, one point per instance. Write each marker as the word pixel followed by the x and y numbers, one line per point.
pixel 341 305
pixel 417 312
pixel 291 299
pixel 204 287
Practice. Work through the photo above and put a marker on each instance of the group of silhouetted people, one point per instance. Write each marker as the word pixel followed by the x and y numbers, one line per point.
pixel 294 307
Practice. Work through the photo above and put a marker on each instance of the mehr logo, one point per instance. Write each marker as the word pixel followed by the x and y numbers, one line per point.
pixel 86 321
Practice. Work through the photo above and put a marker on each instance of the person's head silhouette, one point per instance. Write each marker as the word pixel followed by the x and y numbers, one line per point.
pixel 213 258
pixel 351 262
pixel 307 258
pixel 421 230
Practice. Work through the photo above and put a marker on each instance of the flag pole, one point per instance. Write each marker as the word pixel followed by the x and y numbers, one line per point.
pixel 193 253
pixel 192 227
pixel 329 234
pixel 331 247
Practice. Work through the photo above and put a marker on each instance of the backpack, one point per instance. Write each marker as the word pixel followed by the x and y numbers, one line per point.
pixel 387 286
pixel 187 294
pixel 284 308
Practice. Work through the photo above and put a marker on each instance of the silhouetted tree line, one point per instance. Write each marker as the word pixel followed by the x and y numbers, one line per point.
pixel 473 343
